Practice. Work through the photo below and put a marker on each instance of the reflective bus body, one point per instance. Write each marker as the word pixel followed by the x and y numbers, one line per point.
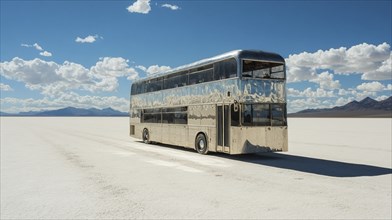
pixel 233 103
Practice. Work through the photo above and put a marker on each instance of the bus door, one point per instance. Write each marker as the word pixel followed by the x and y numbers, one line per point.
pixel 223 128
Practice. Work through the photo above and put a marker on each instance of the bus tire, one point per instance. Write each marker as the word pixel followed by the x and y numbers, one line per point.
pixel 201 145
pixel 146 136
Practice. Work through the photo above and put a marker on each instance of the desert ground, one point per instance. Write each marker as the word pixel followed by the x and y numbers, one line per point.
pixel 89 168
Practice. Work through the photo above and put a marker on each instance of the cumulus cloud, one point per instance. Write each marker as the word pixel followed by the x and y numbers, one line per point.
pixel 113 67
pixel 153 69
pixel 371 87
pixel 88 39
pixel 5 87
pixel 325 80
pixel 140 6
pixel 172 7
pixel 39 48
pixel 342 101
pixel 51 78
pixel 157 69
pixel 32 72
pixel 384 72
pixel 357 94
pixel 372 61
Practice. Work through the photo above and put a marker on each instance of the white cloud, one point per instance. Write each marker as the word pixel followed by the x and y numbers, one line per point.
pixel 5 87
pixel 381 98
pixel 308 103
pixel 39 48
pixel 344 92
pixel 371 87
pixel 51 78
pixel 31 72
pixel 35 45
pixel 367 59
pixel 357 94
pixel 172 7
pixel 373 62
pixel 88 39
pixel 153 69
pixel 325 80
pixel 309 93
pixel 157 69
pixel 143 68
pixel 384 72
pixel 112 67
pixel 293 92
pixel 295 105
pixel 342 101
pixel 140 6
pixel 321 98
pixel 364 94
pixel 45 54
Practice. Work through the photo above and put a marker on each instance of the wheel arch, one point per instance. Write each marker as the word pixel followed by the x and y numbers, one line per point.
pixel 203 133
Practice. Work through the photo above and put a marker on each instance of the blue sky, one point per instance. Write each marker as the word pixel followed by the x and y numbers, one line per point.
pixel 86 53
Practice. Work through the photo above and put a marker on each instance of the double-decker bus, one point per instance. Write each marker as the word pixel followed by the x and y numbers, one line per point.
pixel 233 103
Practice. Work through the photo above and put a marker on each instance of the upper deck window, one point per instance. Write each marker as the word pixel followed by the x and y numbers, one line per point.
pixel 262 70
pixel 201 74
pixel 175 80
pixel 225 69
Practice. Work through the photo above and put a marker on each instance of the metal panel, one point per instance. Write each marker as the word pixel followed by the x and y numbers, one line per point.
pixel 248 91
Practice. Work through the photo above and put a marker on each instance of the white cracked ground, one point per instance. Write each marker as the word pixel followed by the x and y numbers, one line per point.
pixel 79 168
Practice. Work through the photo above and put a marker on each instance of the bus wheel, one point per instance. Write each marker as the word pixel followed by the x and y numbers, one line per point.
pixel 201 144
pixel 146 136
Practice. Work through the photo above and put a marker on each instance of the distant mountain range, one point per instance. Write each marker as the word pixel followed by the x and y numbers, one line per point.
pixel 70 111
pixel 367 108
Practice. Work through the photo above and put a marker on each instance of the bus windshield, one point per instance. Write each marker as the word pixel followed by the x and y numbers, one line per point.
pixel 262 70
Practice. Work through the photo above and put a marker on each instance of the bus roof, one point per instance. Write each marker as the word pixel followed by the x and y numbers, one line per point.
pixel 238 54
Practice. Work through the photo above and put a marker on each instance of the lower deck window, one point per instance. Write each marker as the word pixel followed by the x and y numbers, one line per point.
pixel 277 115
pixel 178 115
pixel 263 115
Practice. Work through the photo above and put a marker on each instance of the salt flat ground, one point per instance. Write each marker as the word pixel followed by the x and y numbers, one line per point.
pixel 78 168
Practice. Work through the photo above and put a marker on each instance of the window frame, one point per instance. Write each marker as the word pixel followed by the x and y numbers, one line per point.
pixel 268 66
pixel 267 123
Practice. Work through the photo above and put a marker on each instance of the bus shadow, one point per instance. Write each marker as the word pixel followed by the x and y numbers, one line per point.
pixel 299 163
pixel 311 165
